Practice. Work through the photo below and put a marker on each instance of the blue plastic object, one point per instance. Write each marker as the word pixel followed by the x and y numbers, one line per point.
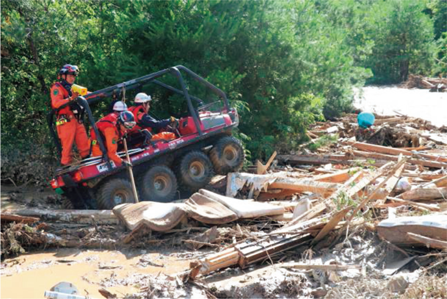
pixel 365 119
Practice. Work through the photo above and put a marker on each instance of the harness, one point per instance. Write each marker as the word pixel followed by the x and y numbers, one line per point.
pixel 135 111
pixel 78 110
pixel 102 124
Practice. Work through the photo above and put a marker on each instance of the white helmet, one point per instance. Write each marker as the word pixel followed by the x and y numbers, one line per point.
pixel 119 106
pixel 142 98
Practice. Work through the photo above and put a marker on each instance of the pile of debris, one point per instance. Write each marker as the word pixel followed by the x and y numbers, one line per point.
pixel 341 221
pixel 433 84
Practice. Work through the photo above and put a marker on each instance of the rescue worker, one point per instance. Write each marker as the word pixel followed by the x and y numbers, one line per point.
pixel 68 122
pixel 113 127
pixel 145 121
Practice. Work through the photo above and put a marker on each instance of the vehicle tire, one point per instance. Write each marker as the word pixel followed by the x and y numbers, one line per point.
pixel 114 192
pixel 227 155
pixel 66 204
pixel 195 171
pixel 71 200
pixel 158 184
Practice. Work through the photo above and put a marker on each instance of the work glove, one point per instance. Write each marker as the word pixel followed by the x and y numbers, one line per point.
pixel 127 164
pixel 74 95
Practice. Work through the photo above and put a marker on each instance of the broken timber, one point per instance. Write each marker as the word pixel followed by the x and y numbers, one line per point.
pixel 425 163
pixel 425 194
pixel 303 185
pixel 394 151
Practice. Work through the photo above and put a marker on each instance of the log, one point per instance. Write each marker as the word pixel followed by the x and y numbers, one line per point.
pixel 70 216
pixel 425 194
pixel 18 219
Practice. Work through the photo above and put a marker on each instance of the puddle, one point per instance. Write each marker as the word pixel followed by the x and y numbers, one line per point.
pixel 30 275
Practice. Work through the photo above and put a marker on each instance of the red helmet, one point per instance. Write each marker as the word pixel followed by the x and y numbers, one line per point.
pixel 126 119
pixel 69 69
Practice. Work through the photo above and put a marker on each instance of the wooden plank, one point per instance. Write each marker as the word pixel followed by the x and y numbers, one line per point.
pixel 414 204
pixel 331 224
pixel 441 182
pixel 393 151
pixel 366 200
pixel 391 183
pixel 429 242
pixel 314 211
pixel 337 177
pixel 425 194
pixel 261 168
pixel 266 196
pixel 423 176
pixel 257 252
pixel 425 163
pixel 304 185
pixel 314 159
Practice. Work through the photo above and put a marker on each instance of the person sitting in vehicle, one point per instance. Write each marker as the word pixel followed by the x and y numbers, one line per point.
pixel 113 127
pixel 145 121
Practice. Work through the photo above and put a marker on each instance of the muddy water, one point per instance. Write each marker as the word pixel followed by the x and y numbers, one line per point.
pixel 30 275
pixel 388 100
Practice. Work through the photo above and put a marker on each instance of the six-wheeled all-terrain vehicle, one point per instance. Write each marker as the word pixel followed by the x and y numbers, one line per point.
pixel 204 146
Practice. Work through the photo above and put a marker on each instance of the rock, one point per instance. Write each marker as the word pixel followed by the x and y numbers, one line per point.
pixel 397 284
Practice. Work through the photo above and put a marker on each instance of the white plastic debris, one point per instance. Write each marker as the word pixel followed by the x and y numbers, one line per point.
pixel 64 290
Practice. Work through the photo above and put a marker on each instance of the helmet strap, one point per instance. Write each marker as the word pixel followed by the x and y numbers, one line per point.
pixel 66 85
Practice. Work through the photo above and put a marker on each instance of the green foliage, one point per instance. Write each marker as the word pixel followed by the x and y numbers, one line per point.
pixel 441 56
pixel 283 64
pixel 343 201
pixel 323 141
pixel 403 40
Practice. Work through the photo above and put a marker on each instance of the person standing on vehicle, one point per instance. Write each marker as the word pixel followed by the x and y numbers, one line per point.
pixel 68 122
pixel 113 127
pixel 145 121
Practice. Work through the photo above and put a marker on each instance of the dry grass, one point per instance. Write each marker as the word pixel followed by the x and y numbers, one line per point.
pixel 427 287
pixel 361 288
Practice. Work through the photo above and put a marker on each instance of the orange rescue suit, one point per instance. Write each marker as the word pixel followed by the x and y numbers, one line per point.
pixel 107 126
pixel 68 127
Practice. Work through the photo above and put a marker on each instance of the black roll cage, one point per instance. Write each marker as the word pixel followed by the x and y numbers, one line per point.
pixel 98 95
